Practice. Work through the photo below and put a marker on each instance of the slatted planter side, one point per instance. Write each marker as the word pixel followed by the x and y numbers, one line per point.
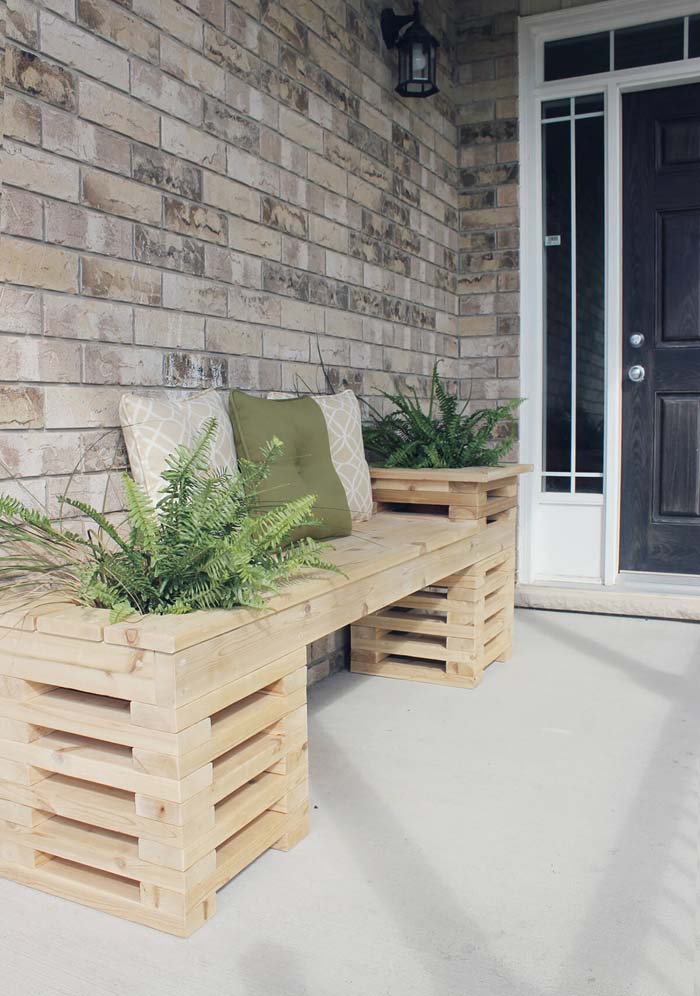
pixel 484 494
pixel 129 786
pixel 450 632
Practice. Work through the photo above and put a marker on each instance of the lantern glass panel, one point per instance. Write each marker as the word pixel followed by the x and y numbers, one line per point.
pixel 420 58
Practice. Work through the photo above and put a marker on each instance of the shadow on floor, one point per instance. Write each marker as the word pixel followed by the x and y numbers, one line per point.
pixel 666 804
pixel 460 946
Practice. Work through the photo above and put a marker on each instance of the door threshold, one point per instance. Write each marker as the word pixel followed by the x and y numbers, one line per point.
pixel 622 599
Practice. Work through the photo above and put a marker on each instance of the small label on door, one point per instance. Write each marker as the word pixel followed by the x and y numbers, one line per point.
pixel 552 240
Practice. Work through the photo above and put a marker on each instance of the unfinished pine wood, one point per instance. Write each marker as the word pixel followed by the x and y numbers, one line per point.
pixel 447 633
pixel 470 493
pixel 101 804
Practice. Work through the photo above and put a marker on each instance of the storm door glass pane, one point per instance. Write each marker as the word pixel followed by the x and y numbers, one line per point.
pixel 591 103
pixel 694 37
pixel 647 44
pixel 573 161
pixel 558 287
pixel 577 56
pixel 590 300
pixel 556 108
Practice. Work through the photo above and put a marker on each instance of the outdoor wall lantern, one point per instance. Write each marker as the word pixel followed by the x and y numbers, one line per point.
pixel 417 52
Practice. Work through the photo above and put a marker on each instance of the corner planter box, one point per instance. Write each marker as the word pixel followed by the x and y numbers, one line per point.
pixel 139 778
pixel 451 631
pixel 481 493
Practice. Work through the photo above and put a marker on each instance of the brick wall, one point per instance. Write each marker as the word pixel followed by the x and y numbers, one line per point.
pixel 488 199
pixel 206 193
pixel 487 100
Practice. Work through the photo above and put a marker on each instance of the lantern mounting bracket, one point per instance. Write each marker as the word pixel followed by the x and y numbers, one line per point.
pixel 392 24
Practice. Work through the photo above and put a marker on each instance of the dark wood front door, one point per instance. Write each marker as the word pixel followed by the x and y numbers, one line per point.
pixel 660 510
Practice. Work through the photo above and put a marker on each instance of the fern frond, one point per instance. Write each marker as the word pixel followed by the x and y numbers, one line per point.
pixel 444 436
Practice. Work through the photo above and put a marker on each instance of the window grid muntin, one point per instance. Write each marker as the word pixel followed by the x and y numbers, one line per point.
pixel 689 21
pixel 572 475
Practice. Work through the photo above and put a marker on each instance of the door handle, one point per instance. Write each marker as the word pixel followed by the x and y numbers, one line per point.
pixel 636 373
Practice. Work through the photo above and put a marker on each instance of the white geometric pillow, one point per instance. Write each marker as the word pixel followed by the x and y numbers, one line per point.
pixel 154 427
pixel 344 424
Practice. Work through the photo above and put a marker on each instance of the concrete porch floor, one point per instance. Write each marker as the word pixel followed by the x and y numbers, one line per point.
pixel 538 835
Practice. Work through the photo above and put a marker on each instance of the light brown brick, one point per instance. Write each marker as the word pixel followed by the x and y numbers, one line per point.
pixel 190 294
pixel 254 306
pixel 119 26
pixel 35 265
pixel 182 140
pixel 69 225
pixel 115 195
pixel 173 18
pixel 87 318
pixel 22 213
pixel 20 310
pixel 234 337
pixel 125 365
pixel 66 408
pixel 153 327
pixel 21 407
pixel 82 50
pixel 78 139
pixel 151 85
pixel 22 23
pixel 232 267
pixel 22 119
pixel 299 129
pixel 33 169
pixel 327 174
pixel 258 240
pixel 26 358
pixel 191 67
pixel 232 197
pixel 196 220
pixel 120 281
pixel 252 170
pixel 281 344
pixel 119 112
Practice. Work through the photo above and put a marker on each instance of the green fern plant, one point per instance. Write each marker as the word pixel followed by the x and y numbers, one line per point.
pixel 444 436
pixel 208 542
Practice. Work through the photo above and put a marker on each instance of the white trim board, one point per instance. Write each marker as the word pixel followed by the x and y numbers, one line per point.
pixel 571 545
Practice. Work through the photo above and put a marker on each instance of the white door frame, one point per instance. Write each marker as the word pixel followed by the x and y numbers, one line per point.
pixel 533 32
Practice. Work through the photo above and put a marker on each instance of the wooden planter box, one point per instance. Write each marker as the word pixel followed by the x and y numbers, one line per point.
pixel 451 631
pixel 139 781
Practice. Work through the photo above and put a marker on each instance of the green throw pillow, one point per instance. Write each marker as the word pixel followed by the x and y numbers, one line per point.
pixel 305 466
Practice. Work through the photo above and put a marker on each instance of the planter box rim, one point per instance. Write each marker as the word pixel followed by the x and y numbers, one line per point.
pixel 465 474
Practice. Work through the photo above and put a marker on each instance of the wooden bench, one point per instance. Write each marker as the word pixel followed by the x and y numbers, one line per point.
pixel 144 764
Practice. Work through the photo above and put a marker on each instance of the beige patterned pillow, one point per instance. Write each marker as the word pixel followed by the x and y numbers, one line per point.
pixel 344 424
pixel 154 427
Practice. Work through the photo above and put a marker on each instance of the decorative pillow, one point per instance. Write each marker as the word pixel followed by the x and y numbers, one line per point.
pixel 154 427
pixel 305 466
pixel 344 424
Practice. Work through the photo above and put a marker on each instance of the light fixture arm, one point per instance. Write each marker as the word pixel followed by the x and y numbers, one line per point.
pixel 392 24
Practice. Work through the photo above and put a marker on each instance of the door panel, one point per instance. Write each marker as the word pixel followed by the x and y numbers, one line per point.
pixel 678 444
pixel 678 258
pixel 660 513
